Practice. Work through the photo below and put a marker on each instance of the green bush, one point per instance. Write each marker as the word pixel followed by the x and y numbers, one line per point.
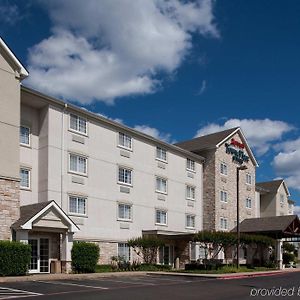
pixel 84 257
pixel 14 258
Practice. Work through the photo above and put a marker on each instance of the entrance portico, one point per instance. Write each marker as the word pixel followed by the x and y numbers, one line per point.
pixel 49 231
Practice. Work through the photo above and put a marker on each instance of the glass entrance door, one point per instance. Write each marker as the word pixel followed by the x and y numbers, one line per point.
pixel 39 262
pixel 166 255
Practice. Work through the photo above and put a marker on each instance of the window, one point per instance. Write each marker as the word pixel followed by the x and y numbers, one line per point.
pixel 248 203
pixel 248 178
pixel 78 124
pixel 125 176
pixel 125 141
pixel 281 199
pixel 77 205
pixel 124 211
pixel 24 135
pixel 223 196
pixel 190 221
pixel 161 154
pixel 78 164
pixel 161 185
pixel 223 223
pixel 223 168
pixel 161 217
pixel 124 251
pixel 190 192
pixel 190 165
pixel 25 178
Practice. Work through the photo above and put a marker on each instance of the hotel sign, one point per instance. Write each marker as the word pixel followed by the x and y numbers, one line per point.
pixel 236 150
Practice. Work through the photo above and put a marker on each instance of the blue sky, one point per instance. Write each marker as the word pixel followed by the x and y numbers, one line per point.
pixel 173 69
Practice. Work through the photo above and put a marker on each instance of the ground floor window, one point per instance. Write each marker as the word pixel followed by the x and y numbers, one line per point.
pixel 124 251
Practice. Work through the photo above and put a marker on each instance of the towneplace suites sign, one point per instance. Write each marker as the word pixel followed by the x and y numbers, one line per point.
pixel 236 149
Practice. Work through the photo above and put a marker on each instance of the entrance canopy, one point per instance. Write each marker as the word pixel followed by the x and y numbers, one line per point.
pixel 276 227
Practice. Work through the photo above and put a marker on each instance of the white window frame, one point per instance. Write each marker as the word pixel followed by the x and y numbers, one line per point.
pixel 190 165
pixel 224 168
pixel 160 211
pixel 130 211
pixel 161 154
pixel 29 178
pixel 248 179
pixel 248 200
pixel 125 249
pixel 190 192
pixel 77 129
pixel 125 169
pixel 77 197
pixel 29 136
pixel 225 194
pixel 122 141
pixel 156 185
pixel 224 223
pixel 82 157
pixel 190 219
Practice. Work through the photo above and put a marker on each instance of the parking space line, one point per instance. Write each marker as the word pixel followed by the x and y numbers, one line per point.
pixel 20 291
pixel 73 284
pixel 9 293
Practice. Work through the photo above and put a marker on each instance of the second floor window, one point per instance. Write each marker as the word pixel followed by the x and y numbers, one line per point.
pixel 223 223
pixel 248 178
pixel 77 205
pixel 25 178
pixel 223 168
pixel 161 217
pixel 190 192
pixel 24 135
pixel 190 165
pixel 125 141
pixel 281 199
pixel 190 221
pixel 161 154
pixel 223 196
pixel 248 203
pixel 78 124
pixel 124 211
pixel 125 176
pixel 78 164
pixel 161 185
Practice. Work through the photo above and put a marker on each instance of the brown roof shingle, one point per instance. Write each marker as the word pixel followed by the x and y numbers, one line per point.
pixel 271 186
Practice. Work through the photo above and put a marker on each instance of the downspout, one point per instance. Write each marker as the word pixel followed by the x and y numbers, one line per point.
pixel 62 155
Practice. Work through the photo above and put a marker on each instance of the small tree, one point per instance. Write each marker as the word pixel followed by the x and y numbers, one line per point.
pixel 84 257
pixel 146 247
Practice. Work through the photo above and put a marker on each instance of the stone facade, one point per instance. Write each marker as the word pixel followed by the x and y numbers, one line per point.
pixel 9 206
pixel 107 250
pixel 214 182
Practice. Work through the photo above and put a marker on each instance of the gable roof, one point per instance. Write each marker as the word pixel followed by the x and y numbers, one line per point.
pixel 215 140
pixel 278 225
pixel 273 186
pixel 30 213
pixel 12 59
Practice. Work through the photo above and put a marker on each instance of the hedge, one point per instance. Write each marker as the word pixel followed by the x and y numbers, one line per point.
pixel 14 258
pixel 84 257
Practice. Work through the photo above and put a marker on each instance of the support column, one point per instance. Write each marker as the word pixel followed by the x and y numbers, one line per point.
pixel 278 248
pixel 66 247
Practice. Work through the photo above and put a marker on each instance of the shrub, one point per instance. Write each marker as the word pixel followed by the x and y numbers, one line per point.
pixel 14 258
pixel 84 257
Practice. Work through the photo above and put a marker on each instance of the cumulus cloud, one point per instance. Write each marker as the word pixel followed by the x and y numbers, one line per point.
pixel 166 137
pixel 102 50
pixel 260 133
pixel 287 162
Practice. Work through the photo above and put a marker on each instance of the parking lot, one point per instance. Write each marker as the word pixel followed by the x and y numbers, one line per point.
pixel 148 287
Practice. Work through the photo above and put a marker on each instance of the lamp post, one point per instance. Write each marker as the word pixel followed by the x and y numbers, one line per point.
pixel 238 169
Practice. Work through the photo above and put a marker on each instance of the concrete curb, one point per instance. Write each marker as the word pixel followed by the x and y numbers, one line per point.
pixel 50 277
pixel 228 275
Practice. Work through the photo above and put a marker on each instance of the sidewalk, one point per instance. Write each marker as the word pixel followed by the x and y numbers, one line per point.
pixel 228 275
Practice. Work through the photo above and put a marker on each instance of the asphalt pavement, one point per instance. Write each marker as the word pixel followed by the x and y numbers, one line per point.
pixel 280 286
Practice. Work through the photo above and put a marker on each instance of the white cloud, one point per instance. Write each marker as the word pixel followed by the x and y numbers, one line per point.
pixel 297 210
pixel 287 162
pixel 166 137
pixel 202 88
pixel 101 50
pixel 9 13
pixel 260 133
